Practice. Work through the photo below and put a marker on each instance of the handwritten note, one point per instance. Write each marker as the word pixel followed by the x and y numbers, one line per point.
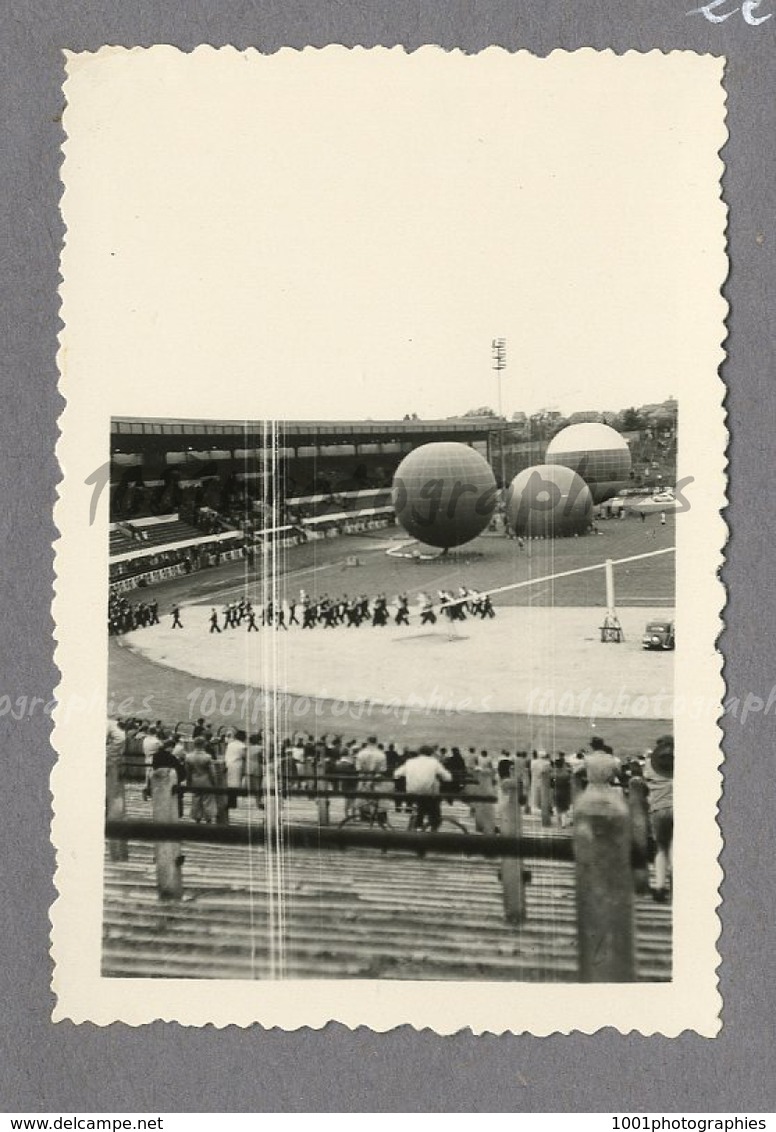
pixel 717 11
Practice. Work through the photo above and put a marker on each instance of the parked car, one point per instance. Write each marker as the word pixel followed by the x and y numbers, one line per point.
pixel 659 635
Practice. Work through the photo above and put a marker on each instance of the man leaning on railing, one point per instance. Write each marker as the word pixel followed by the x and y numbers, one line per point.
pixel 423 773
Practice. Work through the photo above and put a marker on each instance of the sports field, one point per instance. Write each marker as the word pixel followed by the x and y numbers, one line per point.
pixel 535 676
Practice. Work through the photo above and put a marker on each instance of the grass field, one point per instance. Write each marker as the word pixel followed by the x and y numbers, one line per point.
pixel 489 562
pixel 138 685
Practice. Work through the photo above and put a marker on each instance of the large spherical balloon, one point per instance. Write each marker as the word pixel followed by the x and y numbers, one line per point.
pixel 596 452
pixel 549 501
pixel 444 494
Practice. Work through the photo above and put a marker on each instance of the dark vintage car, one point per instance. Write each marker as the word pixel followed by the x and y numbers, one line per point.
pixel 659 635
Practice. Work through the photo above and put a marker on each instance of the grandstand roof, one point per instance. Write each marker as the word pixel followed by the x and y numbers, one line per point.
pixel 145 432
pixel 186 424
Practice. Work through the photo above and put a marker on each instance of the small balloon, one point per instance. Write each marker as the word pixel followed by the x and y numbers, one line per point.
pixel 549 501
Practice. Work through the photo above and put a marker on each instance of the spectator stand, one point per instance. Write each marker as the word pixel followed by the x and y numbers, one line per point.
pixel 161 547
pixel 605 855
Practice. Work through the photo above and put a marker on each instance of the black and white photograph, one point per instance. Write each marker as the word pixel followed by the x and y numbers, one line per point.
pixel 344 639
pixel 393 457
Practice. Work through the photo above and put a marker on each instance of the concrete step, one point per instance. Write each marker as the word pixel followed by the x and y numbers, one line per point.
pixel 358 914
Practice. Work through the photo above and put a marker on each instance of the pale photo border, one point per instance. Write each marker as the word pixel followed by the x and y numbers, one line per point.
pixel 691 1001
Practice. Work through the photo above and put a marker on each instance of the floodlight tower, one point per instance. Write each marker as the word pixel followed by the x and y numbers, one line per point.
pixel 499 348
pixel 499 351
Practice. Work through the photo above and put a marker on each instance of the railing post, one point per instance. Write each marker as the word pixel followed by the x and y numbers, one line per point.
pixel 322 801
pixel 512 867
pixel 222 800
pixel 639 815
pixel 115 807
pixel 169 860
pixel 524 783
pixel 545 793
pixel 273 800
pixel 484 812
pixel 604 882
pixel 534 787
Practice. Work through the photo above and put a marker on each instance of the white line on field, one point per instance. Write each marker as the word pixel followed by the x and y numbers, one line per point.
pixel 568 573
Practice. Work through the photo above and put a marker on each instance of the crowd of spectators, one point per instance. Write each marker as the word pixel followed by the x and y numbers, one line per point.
pixel 205 519
pixel 433 774
pixel 184 556
pixel 189 557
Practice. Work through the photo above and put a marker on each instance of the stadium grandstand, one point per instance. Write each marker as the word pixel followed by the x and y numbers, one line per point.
pixel 188 493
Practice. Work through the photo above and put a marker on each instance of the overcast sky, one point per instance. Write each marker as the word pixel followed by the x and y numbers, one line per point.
pixel 341 234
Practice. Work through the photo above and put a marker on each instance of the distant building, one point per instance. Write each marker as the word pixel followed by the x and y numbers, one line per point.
pixel 586 416
pixel 663 413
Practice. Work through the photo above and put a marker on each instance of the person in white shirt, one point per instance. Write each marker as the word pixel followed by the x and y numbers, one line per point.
pixel 484 761
pixel 371 765
pixel 606 759
pixel 151 744
pixel 234 759
pixel 423 772
pixel 297 754
pixel 539 769
pixel 115 740
pixel 370 760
